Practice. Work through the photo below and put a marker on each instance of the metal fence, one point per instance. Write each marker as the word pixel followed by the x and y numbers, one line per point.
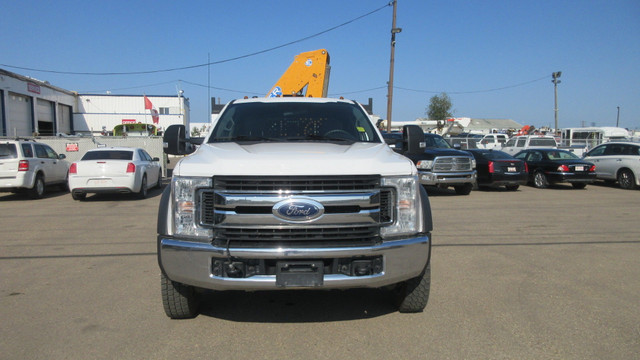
pixel 75 147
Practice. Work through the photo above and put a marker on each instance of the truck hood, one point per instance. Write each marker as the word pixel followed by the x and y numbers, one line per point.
pixel 294 158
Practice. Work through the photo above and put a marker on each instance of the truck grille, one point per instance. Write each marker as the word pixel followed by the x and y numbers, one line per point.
pixel 444 164
pixel 308 183
pixel 240 210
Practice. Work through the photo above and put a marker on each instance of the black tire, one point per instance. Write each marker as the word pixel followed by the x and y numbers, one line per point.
pixel 412 295
pixel 512 187
pixel 464 189
pixel 159 183
pixel 78 196
pixel 179 300
pixel 626 179
pixel 540 180
pixel 579 185
pixel 142 194
pixel 38 189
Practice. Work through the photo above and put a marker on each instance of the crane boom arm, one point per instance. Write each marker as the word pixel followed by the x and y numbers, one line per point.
pixel 308 76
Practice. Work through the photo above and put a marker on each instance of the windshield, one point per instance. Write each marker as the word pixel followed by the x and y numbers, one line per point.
pixel 293 121
pixel 436 141
pixel 496 155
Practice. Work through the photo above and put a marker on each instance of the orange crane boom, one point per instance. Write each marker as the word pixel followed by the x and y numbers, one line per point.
pixel 308 76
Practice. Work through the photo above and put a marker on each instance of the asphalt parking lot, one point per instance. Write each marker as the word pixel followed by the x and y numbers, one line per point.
pixel 532 274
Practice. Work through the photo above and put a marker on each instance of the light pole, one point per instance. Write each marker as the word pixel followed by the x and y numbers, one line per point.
pixel 394 31
pixel 618 118
pixel 555 82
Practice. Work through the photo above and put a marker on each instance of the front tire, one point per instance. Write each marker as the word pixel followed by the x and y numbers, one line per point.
pixel 179 300
pixel 626 179
pixel 38 189
pixel 412 295
pixel 464 189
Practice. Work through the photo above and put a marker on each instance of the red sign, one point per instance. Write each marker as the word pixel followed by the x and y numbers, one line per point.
pixel 128 121
pixel 72 147
pixel 34 88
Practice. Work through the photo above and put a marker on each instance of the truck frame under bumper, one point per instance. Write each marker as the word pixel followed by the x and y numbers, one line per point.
pixel 195 263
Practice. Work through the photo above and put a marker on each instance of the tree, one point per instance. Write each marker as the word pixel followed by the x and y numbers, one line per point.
pixel 439 107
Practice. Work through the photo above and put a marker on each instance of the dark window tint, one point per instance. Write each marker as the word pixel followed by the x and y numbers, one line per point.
pixel 497 155
pixel 41 152
pixel 542 142
pixel 8 151
pixel 108 155
pixel 27 150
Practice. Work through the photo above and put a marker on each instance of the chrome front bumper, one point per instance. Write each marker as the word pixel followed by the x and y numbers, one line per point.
pixel 435 178
pixel 191 263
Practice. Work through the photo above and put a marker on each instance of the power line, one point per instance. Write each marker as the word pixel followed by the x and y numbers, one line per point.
pixel 474 91
pixel 205 64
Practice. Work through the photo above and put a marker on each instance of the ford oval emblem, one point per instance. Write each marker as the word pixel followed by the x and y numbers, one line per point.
pixel 298 210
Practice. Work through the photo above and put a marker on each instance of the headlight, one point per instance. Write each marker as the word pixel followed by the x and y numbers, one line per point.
pixel 408 219
pixel 473 163
pixel 184 205
pixel 424 164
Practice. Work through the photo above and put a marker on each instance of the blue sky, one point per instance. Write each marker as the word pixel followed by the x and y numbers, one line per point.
pixel 493 58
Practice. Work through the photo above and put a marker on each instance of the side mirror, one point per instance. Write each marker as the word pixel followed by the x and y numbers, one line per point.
pixel 62 156
pixel 175 141
pixel 413 137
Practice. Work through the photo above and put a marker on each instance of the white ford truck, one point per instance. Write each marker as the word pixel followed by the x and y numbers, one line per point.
pixel 293 193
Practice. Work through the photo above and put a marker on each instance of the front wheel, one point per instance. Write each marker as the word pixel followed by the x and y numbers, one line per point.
pixel 412 295
pixel 463 189
pixel 179 300
pixel 626 179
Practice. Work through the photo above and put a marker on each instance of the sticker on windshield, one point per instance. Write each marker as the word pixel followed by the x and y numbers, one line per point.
pixel 360 129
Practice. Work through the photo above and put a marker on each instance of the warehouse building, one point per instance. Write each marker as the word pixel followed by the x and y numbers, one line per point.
pixel 120 114
pixel 33 107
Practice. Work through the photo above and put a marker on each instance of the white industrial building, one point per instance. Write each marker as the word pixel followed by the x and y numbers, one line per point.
pixel 31 107
pixel 100 114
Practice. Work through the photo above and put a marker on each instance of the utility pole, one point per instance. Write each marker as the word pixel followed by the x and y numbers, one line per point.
pixel 394 31
pixel 618 118
pixel 555 82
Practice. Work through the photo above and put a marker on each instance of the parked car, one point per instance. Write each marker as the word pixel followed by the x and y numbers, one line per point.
pixel 550 166
pixel 114 170
pixel 31 167
pixel 619 161
pixel 497 168
pixel 519 143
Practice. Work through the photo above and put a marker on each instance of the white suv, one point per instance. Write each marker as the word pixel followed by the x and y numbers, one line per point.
pixel 30 166
pixel 617 161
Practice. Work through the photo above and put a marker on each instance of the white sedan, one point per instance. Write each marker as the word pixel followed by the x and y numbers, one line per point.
pixel 114 170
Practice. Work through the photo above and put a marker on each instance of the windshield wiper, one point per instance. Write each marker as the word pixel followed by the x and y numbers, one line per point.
pixel 242 138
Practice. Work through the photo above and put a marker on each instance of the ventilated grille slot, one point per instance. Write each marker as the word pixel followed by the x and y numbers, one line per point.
pixel 452 164
pixel 352 236
pixel 294 184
